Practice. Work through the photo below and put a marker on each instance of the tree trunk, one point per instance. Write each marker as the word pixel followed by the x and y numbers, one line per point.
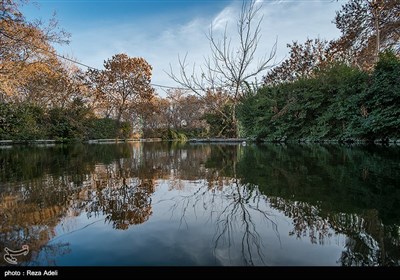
pixel 375 12
pixel 234 120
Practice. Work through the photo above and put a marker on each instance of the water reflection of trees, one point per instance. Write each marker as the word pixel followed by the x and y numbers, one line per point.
pixel 122 203
pixel 238 213
pixel 40 187
pixel 243 203
pixel 28 223
pixel 324 190
pixel 333 189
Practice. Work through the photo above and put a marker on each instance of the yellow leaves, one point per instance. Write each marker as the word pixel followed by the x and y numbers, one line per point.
pixel 28 63
pixel 124 86
pixel 122 65
pixel 24 56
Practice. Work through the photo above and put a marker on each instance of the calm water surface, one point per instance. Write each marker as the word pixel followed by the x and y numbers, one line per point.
pixel 192 204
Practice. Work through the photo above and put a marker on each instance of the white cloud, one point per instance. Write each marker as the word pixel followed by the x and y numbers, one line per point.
pixel 226 16
pixel 160 41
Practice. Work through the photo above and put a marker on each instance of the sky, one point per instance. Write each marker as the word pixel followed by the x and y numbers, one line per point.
pixel 160 30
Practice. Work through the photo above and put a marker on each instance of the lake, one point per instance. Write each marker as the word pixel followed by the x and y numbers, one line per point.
pixel 168 203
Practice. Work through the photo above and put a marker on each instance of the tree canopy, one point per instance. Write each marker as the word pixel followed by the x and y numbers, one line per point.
pixel 343 88
pixel 122 86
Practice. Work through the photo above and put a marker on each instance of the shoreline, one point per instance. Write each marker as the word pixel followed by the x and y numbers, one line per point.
pixel 283 140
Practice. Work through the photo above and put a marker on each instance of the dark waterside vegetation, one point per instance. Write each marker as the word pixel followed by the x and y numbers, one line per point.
pixel 340 103
pixel 26 122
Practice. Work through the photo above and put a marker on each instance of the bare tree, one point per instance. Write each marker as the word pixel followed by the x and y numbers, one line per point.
pixel 229 67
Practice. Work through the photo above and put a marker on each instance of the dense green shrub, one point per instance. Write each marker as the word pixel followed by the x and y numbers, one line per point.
pixel 21 121
pixel 106 128
pixel 382 99
pixel 75 122
pixel 62 125
pixel 220 122
pixel 340 103
pixel 125 130
pixel 70 122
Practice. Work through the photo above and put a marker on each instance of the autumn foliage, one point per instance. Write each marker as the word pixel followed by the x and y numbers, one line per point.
pixel 46 96
pixel 123 87
pixel 319 91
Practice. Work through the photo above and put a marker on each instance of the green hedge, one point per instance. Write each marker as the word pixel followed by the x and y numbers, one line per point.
pixel 340 103
pixel 29 122
pixel 22 122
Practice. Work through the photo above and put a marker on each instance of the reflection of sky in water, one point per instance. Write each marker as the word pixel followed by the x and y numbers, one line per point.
pixel 174 235
pixel 173 204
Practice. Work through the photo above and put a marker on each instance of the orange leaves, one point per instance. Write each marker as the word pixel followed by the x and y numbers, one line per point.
pixel 123 87
pixel 303 61
pixel 124 65
pixel 368 27
pixel 28 63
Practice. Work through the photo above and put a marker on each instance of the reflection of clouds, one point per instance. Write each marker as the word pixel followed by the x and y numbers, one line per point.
pixel 201 212
pixel 226 256
pixel 121 190
pixel 238 216
pixel 245 221
pixel 361 236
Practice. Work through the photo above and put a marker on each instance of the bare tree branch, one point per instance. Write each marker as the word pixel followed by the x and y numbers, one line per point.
pixel 229 67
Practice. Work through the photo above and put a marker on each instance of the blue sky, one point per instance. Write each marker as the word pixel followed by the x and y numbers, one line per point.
pixel 160 30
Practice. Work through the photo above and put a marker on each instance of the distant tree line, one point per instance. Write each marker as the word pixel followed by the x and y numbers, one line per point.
pixel 325 89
